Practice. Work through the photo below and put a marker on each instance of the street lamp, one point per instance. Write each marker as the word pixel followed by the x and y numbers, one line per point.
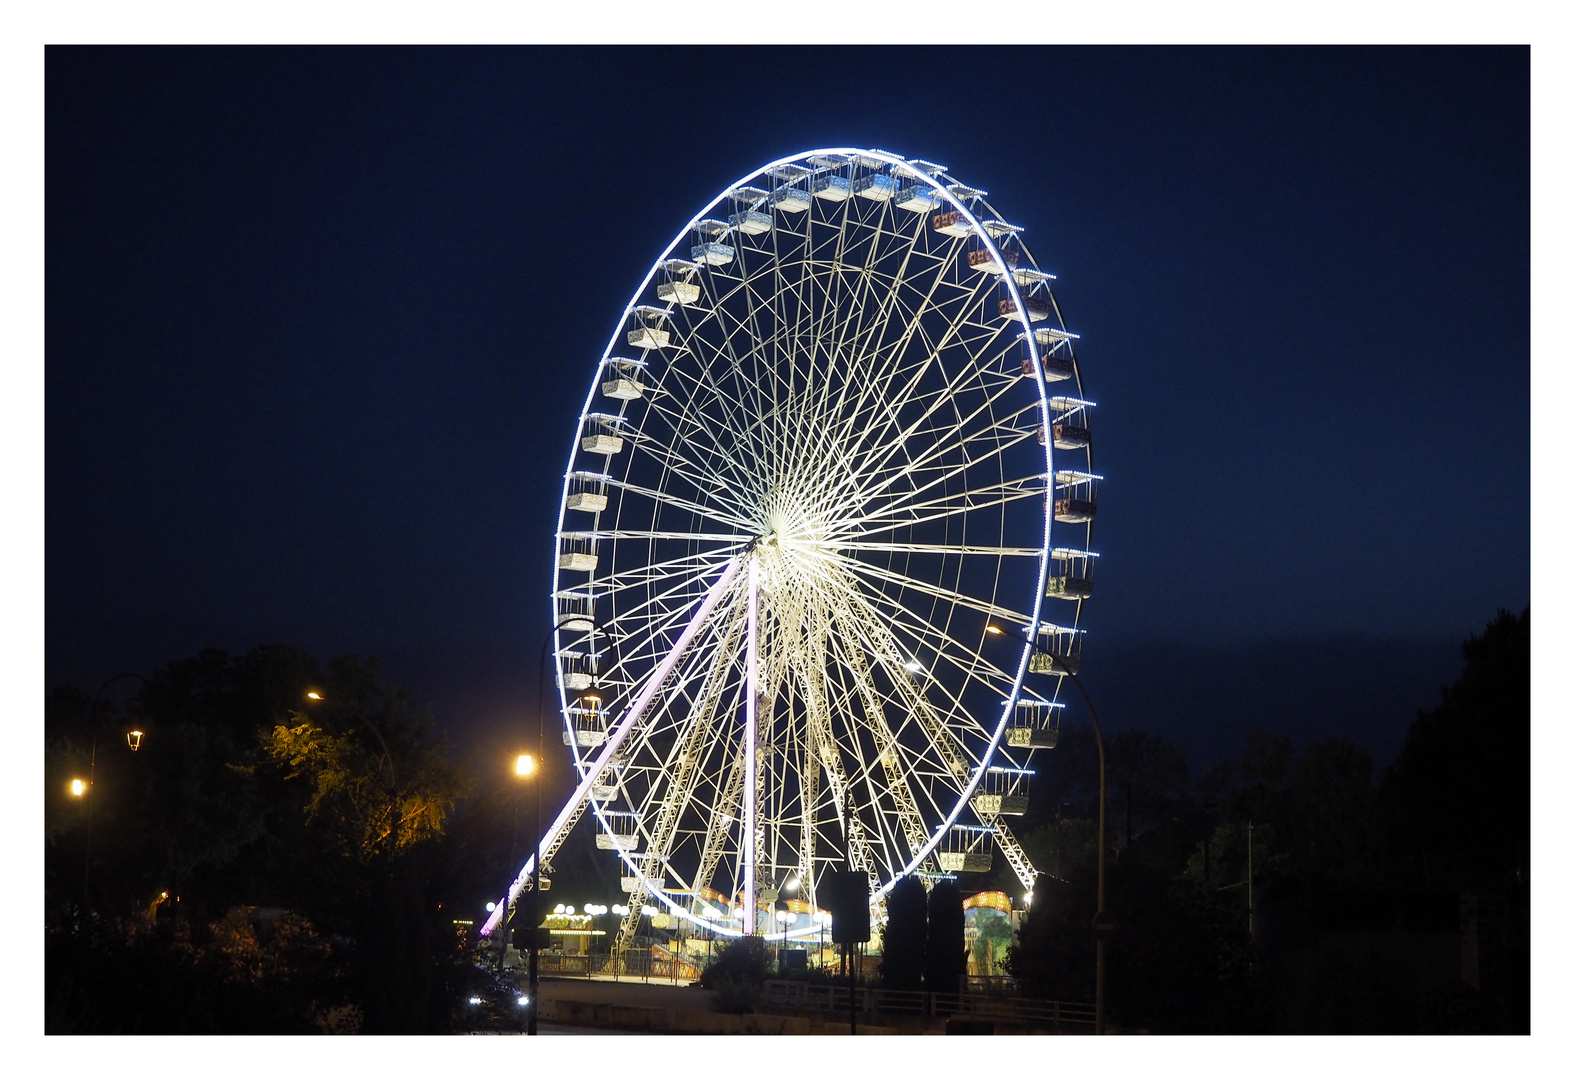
pixel 1102 921
pixel 533 920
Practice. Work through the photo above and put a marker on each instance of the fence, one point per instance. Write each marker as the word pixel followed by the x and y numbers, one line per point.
pixel 1056 1016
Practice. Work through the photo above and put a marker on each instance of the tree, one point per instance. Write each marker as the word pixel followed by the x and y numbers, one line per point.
pixel 903 942
pixel 945 948
pixel 1459 794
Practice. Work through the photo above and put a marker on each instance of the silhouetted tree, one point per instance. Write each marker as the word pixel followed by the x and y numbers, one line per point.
pixel 1460 791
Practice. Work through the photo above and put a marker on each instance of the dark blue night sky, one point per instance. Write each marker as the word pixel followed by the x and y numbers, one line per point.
pixel 319 323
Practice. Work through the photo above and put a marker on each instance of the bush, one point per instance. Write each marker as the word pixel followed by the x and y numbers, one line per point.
pixel 737 975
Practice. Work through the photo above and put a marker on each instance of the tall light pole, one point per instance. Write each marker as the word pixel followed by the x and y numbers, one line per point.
pixel 85 791
pixel 532 914
pixel 1101 919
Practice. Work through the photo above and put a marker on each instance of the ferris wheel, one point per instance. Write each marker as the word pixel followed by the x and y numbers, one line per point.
pixel 837 432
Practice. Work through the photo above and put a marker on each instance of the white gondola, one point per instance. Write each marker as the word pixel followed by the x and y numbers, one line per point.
pixel 877 188
pixel 578 669
pixel 750 222
pixel 1071 574
pixel 1060 651
pixel 603 437
pixel 789 196
pixel 984 259
pixel 602 792
pixel 920 197
pixel 577 553
pixel 1035 725
pixel 966 850
pixel 680 286
pixel 1069 429
pixel 1076 497
pixel 1056 367
pixel 589 727
pixel 964 193
pixel 621 832
pixel 576 610
pixel 792 199
pixel 622 379
pixel 918 166
pixel 713 253
pixel 1038 308
pixel 649 331
pixel 629 883
pixel 952 223
pixel 1003 792
pixel 587 491
pixel 832 188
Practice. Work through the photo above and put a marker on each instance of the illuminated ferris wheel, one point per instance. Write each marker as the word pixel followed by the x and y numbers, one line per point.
pixel 837 432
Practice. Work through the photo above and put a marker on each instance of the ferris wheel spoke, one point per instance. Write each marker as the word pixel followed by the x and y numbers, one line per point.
pixel 892 577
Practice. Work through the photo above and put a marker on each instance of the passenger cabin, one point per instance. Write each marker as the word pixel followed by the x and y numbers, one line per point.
pixel 575 610
pixel 876 188
pixel 587 727
pixel 1069 428
pixel 1038 308
pixel 1060 651
pixel 679 284
pixel 622 380
pixel 587 491
pixel 790 195
pixel 1076 496
pixel 1071 574
pixel 984 260
pixel 832 188
pixel 650 328
pixel 603 435
pixel 952 223
pixel 629 883
pixel 620 831
pixel 920 197
pixel 577 669
pixel 964 193
pixel 577 552
pixel 750 222
pixel 966 849
pixel 1003 792
pixel 1035 725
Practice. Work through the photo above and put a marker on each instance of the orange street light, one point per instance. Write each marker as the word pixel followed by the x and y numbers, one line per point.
pixel 314 695
pixel 525 765
pixel 79 788
pixel 134 739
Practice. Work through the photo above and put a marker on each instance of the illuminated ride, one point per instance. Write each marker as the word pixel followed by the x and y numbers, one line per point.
pixel 838 430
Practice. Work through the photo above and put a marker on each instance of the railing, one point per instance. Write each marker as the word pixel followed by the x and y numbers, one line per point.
pixel 1056 1016
pixel 632 964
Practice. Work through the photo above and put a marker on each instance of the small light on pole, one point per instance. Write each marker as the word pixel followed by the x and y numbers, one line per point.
pixel 78 787
pixel 524 765
pixel 134 739
pixel 314 695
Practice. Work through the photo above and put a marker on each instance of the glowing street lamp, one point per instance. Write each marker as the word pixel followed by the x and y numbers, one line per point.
pixel 524 765
pixel 78 787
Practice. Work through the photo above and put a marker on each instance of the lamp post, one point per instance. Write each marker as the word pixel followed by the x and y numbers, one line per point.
pixel 1102 922
pixel 84 791
pixel 532 915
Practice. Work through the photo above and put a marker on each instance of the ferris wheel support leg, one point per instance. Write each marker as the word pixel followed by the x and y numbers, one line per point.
pixel 615 738
pixel 747 843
